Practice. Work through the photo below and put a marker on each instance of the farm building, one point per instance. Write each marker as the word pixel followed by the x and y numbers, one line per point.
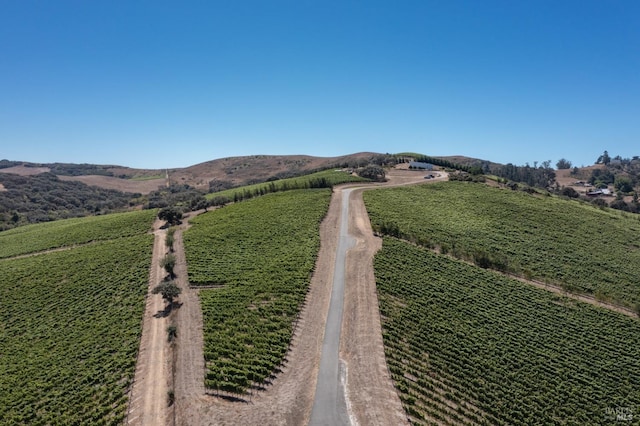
pixel 597 192
pixel 419 165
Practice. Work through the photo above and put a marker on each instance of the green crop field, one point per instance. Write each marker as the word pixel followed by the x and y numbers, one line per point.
pixel 261 253
pixel 562 242
pixel 69 232
pixel 323 179
pixel 466 345
pixel 70 321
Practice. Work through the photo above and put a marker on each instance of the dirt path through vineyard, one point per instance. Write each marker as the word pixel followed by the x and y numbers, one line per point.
pixel 370 392
pixel 148 399
pixel 288 400
pixel 189 358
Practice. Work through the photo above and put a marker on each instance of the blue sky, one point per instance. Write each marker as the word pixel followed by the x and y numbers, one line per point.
pixel 157 84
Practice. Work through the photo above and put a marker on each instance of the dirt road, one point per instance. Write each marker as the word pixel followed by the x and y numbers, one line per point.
pixel 288 400
pixel 189 366
pixel 148 400
pixel 371 396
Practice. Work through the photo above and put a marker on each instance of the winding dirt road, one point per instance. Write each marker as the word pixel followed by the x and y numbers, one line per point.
pixel 288 400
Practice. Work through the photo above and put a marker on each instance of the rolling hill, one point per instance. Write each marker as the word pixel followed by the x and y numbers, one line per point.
pixel 472 330
pixel 231 171
pixel 33 193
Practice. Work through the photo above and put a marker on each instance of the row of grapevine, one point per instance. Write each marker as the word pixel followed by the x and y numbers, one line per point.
pixel 261 253
pixel 70 329
pixel 70 232
pixel 577 246
pixel 468 346
pixel 323 179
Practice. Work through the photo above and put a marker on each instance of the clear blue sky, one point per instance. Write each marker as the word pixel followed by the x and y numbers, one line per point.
pixel 168 84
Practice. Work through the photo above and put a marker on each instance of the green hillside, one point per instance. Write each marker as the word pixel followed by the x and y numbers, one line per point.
pixel 468 346
pixel 261 254
pixel 577 246
pixel 323 179
pixel 69 232
pixel 70 321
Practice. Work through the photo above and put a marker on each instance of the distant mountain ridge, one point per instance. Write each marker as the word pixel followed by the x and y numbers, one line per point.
pixel 235 171
pixel 37 192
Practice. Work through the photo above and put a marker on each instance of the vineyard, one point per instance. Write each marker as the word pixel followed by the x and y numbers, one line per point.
pixel 579 247
pixel 70 320
pixel 259 255
pixel 323 179
pixel 468 346
pixel 69 232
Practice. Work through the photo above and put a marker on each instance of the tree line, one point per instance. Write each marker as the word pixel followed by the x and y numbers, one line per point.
pixel 542 176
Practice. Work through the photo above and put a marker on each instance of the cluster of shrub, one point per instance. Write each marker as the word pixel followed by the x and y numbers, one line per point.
pixel 44 197
pixel 619 204
pixel 181 195
pixel 466 177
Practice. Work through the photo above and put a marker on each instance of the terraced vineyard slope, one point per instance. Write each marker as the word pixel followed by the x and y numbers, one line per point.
pixel 258 255
pixel 70 320
pixel 576 246
pixel 468 346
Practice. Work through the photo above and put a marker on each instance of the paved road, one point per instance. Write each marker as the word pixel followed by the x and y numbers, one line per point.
pixel 329 406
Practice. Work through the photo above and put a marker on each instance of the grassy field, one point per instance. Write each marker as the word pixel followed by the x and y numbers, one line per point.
pixel 468 346
pixel 68 232
pixel 146 178
pixel 324 178
pixel 70 322
pixel 261 254
pixel 577 246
